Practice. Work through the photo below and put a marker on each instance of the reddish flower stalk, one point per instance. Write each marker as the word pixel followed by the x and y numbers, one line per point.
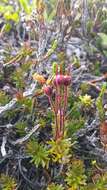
pixel 56 102
pixel 56 127
pixel 63 119
pixel 61 83
pixel 65 97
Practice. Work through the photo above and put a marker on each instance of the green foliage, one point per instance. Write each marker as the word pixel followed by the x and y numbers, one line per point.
pixel 8 12
pixel 103 38
pixel 84 88
pixel 10 115
pixel 18 79
pixel 101 42
pixel 26 66
pixel 20 127
pixel 60 150
pixel 76 61
pixel 18 76
pixel 7 27
pixel 7 182
pixel 54 186
pixel 46 120
pixel 4 99
pixel 89 26
pixel 53 47
pixel 50 10
pixel 57 151
pixel 38 152
pixel 26 103
pixel 71 100
pixel 25 6
pixel 13 16
pixel 86 101
pixel 97 68
pixel 74 112
pixel 99 103
pixel 104 27
pixel 54 68
pixel 75 119
pixel 101 183
pixel 4 1
pixel 75 175
pixel 74 125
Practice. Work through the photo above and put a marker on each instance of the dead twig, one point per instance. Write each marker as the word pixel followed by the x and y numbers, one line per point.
pixel 9 106
pixel 3 148
pixel 25 138
pixel 99 79
pixel 30 183
pixel 12 104
pixel 8 126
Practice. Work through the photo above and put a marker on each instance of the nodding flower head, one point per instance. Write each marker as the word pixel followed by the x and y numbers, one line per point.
pixel 47 90
pixel 59 80
pixel 67 80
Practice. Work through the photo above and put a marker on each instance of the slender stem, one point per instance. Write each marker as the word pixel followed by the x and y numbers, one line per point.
pixel 56 100
pixel 56 127
pixel 57 108
pixel 56 93
pixel 58 97
pixel 65 98
pixel 60 121
pixel 56 112
pixel 65 105
pixel 63 122
pixel 60 108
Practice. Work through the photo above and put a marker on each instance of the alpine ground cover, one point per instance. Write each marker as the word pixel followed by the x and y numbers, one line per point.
pixel 53 97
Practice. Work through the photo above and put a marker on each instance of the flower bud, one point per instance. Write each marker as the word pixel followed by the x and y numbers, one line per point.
pixel 47 90
pixel 59 80
pixel 39 78
pixel 67 80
